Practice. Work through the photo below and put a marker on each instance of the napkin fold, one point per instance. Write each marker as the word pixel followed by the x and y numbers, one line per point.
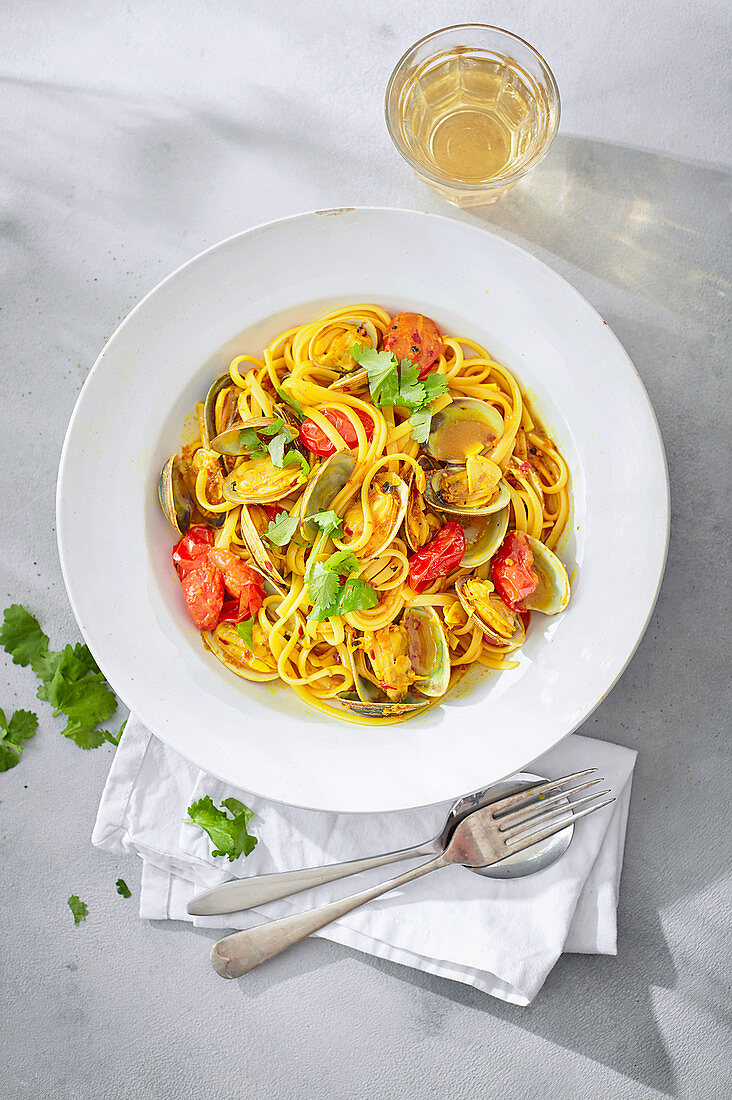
pixel 501 936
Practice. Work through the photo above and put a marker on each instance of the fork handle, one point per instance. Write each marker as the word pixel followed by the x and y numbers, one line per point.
pixel 247 893
pixel 241 952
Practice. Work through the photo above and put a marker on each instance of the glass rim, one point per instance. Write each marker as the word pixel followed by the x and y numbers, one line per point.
pixel 502 181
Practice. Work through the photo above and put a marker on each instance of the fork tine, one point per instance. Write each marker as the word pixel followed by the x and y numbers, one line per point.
pixel 535 809
pixel 556 813
pixel 530 794
pixel 525 840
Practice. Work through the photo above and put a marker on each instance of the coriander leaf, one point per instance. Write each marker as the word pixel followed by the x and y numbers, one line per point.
pixel 21 635
pixel 22 726
pixel 276 446
pixel 245 630
pixel 229 834
pixel 434 385
pixel 419 422
pixel 296 456
pixel 84 734
pixel 343 561
pixel 356 595
pixel 250 441
pixel 381 367
pixel 274 428
pixel 78 908
pixel 323 587
pixel 411 391
pixel 89 700
pixel 10 754
pixel 280 530
pixel 109 736
pixel 290 400
pixel 330 523
pixel 123 888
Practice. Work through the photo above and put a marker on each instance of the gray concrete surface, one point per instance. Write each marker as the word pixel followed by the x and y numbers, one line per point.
pixel 133 136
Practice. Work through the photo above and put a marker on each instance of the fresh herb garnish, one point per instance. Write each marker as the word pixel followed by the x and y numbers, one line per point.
pixel 279 439
pixel 70 678
pixel 280 530
pixel 245 630
pixel 330 595
pixel 289 400
pixel 330 523
pixel 229 834
pixel 393 384
pixel 21 727
pixel 123 888
pixel 78 908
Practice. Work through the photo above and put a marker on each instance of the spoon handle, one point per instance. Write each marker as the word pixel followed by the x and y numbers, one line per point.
pixel 247 893
pixel 243 951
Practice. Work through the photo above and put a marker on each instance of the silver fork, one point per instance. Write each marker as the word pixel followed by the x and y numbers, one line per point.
pixel 480 839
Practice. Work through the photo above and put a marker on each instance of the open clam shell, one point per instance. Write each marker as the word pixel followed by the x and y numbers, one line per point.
pixel 484 607
pixel 212 643
pixel 464 427
pixel 483 536
pixel 257 548
pixel 388 496
pixel 438 495
pixel 428 650
pixel 354 381
pixel 175 500
pixel 368 700
pixel 552 593
pixel 232 441
pixel 209 408
pixel 323 488
pixel 420 523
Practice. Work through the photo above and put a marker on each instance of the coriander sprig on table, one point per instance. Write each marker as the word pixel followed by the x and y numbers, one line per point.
pixel 70 680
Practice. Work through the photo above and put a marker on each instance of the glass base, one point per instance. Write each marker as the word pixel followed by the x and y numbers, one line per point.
pixel 467 199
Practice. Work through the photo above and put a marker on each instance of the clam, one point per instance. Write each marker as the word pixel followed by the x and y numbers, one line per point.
pixel 209 407
pixel 387 496
pixel 449 490
pixel 428 650
pixel 323 489
pixel 354 381
pixel 368 699
pixel 483 536
pixel 175 500
pixel 466 426
pixel 420 524
pixel 233 441
pixel 259 481
pixel 552 593
pixel 484 607
pixel 257 548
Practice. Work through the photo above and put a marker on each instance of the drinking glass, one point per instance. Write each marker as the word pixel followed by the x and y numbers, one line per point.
pixel 472 109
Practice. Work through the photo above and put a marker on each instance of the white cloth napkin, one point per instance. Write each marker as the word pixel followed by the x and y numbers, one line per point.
pixel 501 936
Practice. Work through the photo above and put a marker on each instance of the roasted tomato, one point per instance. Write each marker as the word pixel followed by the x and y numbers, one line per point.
pixel 191 548
pixel 412 336
pixel 511 570
pixel 438 558
pixel 203 589
pixel 243 582
pixel 317 441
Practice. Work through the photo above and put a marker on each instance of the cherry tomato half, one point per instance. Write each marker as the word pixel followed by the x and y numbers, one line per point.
pixel 243 582
pixel 412 336
pixel 188 551
pixel 317 441
pixel 203 590
pixel 438 558
pixel 511 570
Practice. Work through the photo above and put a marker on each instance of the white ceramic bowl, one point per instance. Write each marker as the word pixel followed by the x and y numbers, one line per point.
pixel 115 544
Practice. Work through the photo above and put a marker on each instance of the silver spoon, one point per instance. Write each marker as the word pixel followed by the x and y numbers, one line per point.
pixel 511 825
pixel 247 893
